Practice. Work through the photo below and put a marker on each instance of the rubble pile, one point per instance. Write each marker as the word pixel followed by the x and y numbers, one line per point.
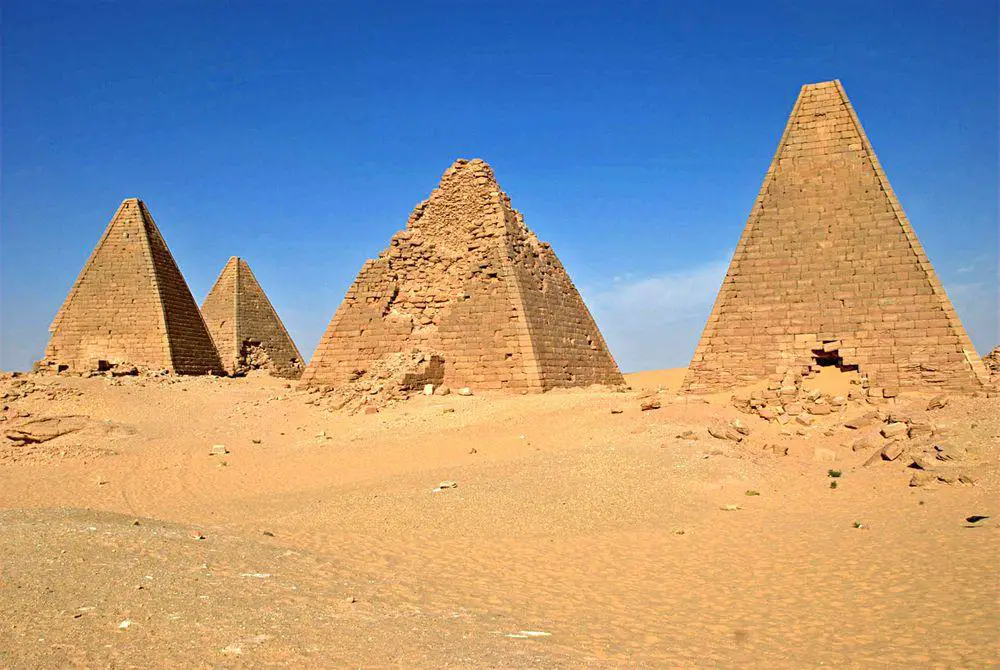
pixel 916 443
pixel 786 399
pixel 388 380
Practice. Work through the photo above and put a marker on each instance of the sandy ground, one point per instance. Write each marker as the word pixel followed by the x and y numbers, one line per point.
pixel 582 532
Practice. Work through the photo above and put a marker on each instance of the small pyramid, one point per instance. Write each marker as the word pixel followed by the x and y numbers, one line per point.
pixel 246 329
pixel 468 283
pixel 131 306
pixel 830 272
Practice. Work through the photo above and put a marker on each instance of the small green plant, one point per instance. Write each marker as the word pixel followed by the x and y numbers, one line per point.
pixel 751 492
pixel 834 473
pixel 833 485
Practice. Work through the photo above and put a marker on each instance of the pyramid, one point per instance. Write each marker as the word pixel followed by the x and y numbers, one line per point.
pixel 468 284
pixel 131 306
pixel 829 272
pixel 246 329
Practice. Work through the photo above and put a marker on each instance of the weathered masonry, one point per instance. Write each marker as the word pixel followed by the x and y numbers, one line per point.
pixel 246 329
pixel 131 306
pixel 829 272
pixel 471 287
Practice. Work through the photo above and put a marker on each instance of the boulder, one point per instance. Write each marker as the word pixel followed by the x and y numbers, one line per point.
pixel 895 429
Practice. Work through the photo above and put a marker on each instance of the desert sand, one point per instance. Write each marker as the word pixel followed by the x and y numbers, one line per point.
pixel 580 531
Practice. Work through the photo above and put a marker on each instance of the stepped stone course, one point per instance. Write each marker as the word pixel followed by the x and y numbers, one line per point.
pixel 829 271
pixel 131 306
pixel 245 327
pixel 467 282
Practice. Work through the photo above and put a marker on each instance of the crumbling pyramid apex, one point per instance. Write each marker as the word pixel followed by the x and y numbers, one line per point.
pixel 466 282
pixel 245 327
pixel 830 272
pixel 131 306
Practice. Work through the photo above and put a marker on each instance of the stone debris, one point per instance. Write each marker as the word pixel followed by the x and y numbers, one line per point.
pixel 442 390
pixel 42 429
pixel 465 390
pixel 218 450
pixel 650 403
pixel 446 484
pixel 923 479
pixel 894 429
pixel 893 451
pixel 387 381
pixel 937 402
pixel 428 389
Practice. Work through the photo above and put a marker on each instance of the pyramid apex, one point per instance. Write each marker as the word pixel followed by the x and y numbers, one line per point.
pixel 822 84
pixel 129 201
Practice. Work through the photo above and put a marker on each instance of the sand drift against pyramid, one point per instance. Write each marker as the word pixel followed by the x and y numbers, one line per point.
pixel 247 331
pixel 130 306
pixel 471 288
pixel 829 272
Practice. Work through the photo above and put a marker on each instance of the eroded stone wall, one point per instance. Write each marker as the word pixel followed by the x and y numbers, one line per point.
pixel 828 268
pixel 456 282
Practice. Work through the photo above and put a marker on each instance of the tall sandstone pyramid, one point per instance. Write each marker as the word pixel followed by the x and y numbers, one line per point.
pixel 246 329
pixel 829 271
pixel 131 306
pixel 469 283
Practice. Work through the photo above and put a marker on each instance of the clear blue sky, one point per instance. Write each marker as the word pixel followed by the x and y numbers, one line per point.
pixel 632 135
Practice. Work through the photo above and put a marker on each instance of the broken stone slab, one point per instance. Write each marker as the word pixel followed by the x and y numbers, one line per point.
pixel 937 402
pixel 876 456
pixel 923 479
pixel 442 390
pixel 918 462
pixel 649 404
pixel 920 429
pixel 891 452
pixel 218 450
pixel 43 429
pixel 896 429
pixel 464 391
pixel 428 389
pixel 863 444
pixel 724 434
pixel 740 427
pixel 805 419
pixel 862 421
pixel 819 410
pixel 794 408
pixel 767 413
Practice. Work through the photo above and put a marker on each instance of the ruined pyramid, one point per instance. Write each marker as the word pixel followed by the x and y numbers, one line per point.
pixel 829 272
pixel 471 287
pixel 246 329
pixel 131 306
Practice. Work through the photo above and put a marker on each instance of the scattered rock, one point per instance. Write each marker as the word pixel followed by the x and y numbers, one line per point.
pixel 920 463
pixel 124 625
pixel 688 435
pixel 862 421
pixel 428 389
pixel 196 534
pixel 937 402
pixel 893 451
pixel 922 479
pixel 768 413
pixel 465 390
pixel 919 430
pixel 863 444
pixel 805 419
pixel 371 409
pixel 442 390
pixel 894 429
pixel 43 429
pixel 649 403
pixel 218 450
pixel 730 508
pixel 819 410
pixel 740 427
pixel 446 484
pixel 617 411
